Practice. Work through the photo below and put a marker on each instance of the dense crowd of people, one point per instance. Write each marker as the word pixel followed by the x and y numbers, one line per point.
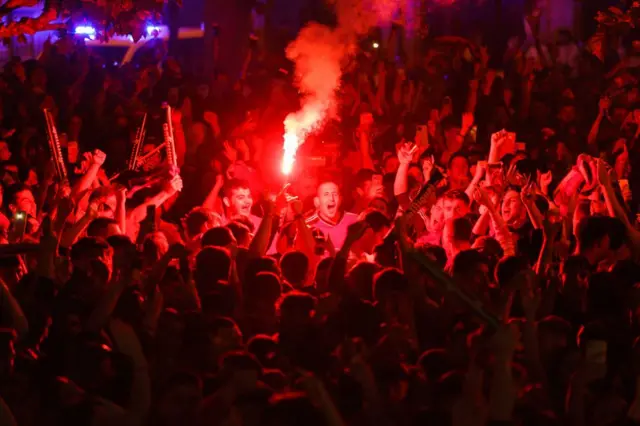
pixel 458 247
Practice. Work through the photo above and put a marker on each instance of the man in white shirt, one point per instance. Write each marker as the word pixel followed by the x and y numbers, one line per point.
pixel 329 218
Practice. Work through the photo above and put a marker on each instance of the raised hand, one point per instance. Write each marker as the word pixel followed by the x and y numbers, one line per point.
pixel 547 133
pixel 121 193
pixel 366 120
pixel 242 148
pixel 296 206
pixel 467 120
pixel 604 104
pixel 528 192
pixel 481 169
pixel 176 115
pixel 92 210
pixel 174 185
pixel 406 152
pixel 427 167
pixel 602 171
pixel 482 198
pixel 499 138
pixel 230 152
pixel 544 180
pixel 219 181
pixel 98 157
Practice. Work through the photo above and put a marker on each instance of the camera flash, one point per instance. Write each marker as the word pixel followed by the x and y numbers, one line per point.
pixel 375 45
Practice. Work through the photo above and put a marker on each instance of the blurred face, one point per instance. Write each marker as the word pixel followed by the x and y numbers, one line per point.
pixel 373 188
pixel 307 186
pixel 39 78
pixel 32 179
pixel 107 207
pixel 447 238
pixel 203 91
pixel 508 96
pixel 481 277
pixel 451 136
pixel 567 114
pixel 5 153
pixel 240 202
pixel 227 339
pixel 380 205
pixel 436 218
pixel 598 205
pixel 561 151
pixel 454 209
pixel 459 169
pixel 25 202
pixel 328 200
pixel 198 132
pixel 18 70
pixel 512 208
pixel 618 115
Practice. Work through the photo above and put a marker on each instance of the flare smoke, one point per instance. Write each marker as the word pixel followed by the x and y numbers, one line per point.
pixel 320 54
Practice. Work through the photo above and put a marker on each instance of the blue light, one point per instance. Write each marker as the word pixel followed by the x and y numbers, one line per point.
pixel 85 30
pixel 152 28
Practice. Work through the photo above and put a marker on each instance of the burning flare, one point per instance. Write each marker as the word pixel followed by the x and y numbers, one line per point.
pixel 291 144
pixel 319 54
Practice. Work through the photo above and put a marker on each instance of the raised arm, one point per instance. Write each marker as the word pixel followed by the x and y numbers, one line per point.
pixel 260 242
pixel 71 234
pixel 170 188
pixel 212 197
pixel 503 235
pixel 481 168
pixel 339 265
pixel 603 107
pixel 85 182
pixel 528 200
pixel 366 121
pixel 121 209
pixel 405 156
pixel 613 205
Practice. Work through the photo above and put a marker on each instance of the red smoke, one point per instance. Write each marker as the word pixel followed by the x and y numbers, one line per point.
pixel 320 53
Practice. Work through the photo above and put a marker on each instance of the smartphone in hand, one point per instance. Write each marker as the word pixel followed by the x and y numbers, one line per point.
pixel 18 227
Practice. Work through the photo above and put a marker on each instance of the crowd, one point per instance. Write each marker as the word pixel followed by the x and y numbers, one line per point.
pixel 460 247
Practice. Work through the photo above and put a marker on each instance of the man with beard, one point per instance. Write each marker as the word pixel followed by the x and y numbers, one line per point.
pixel 238 202
pixel 328 218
